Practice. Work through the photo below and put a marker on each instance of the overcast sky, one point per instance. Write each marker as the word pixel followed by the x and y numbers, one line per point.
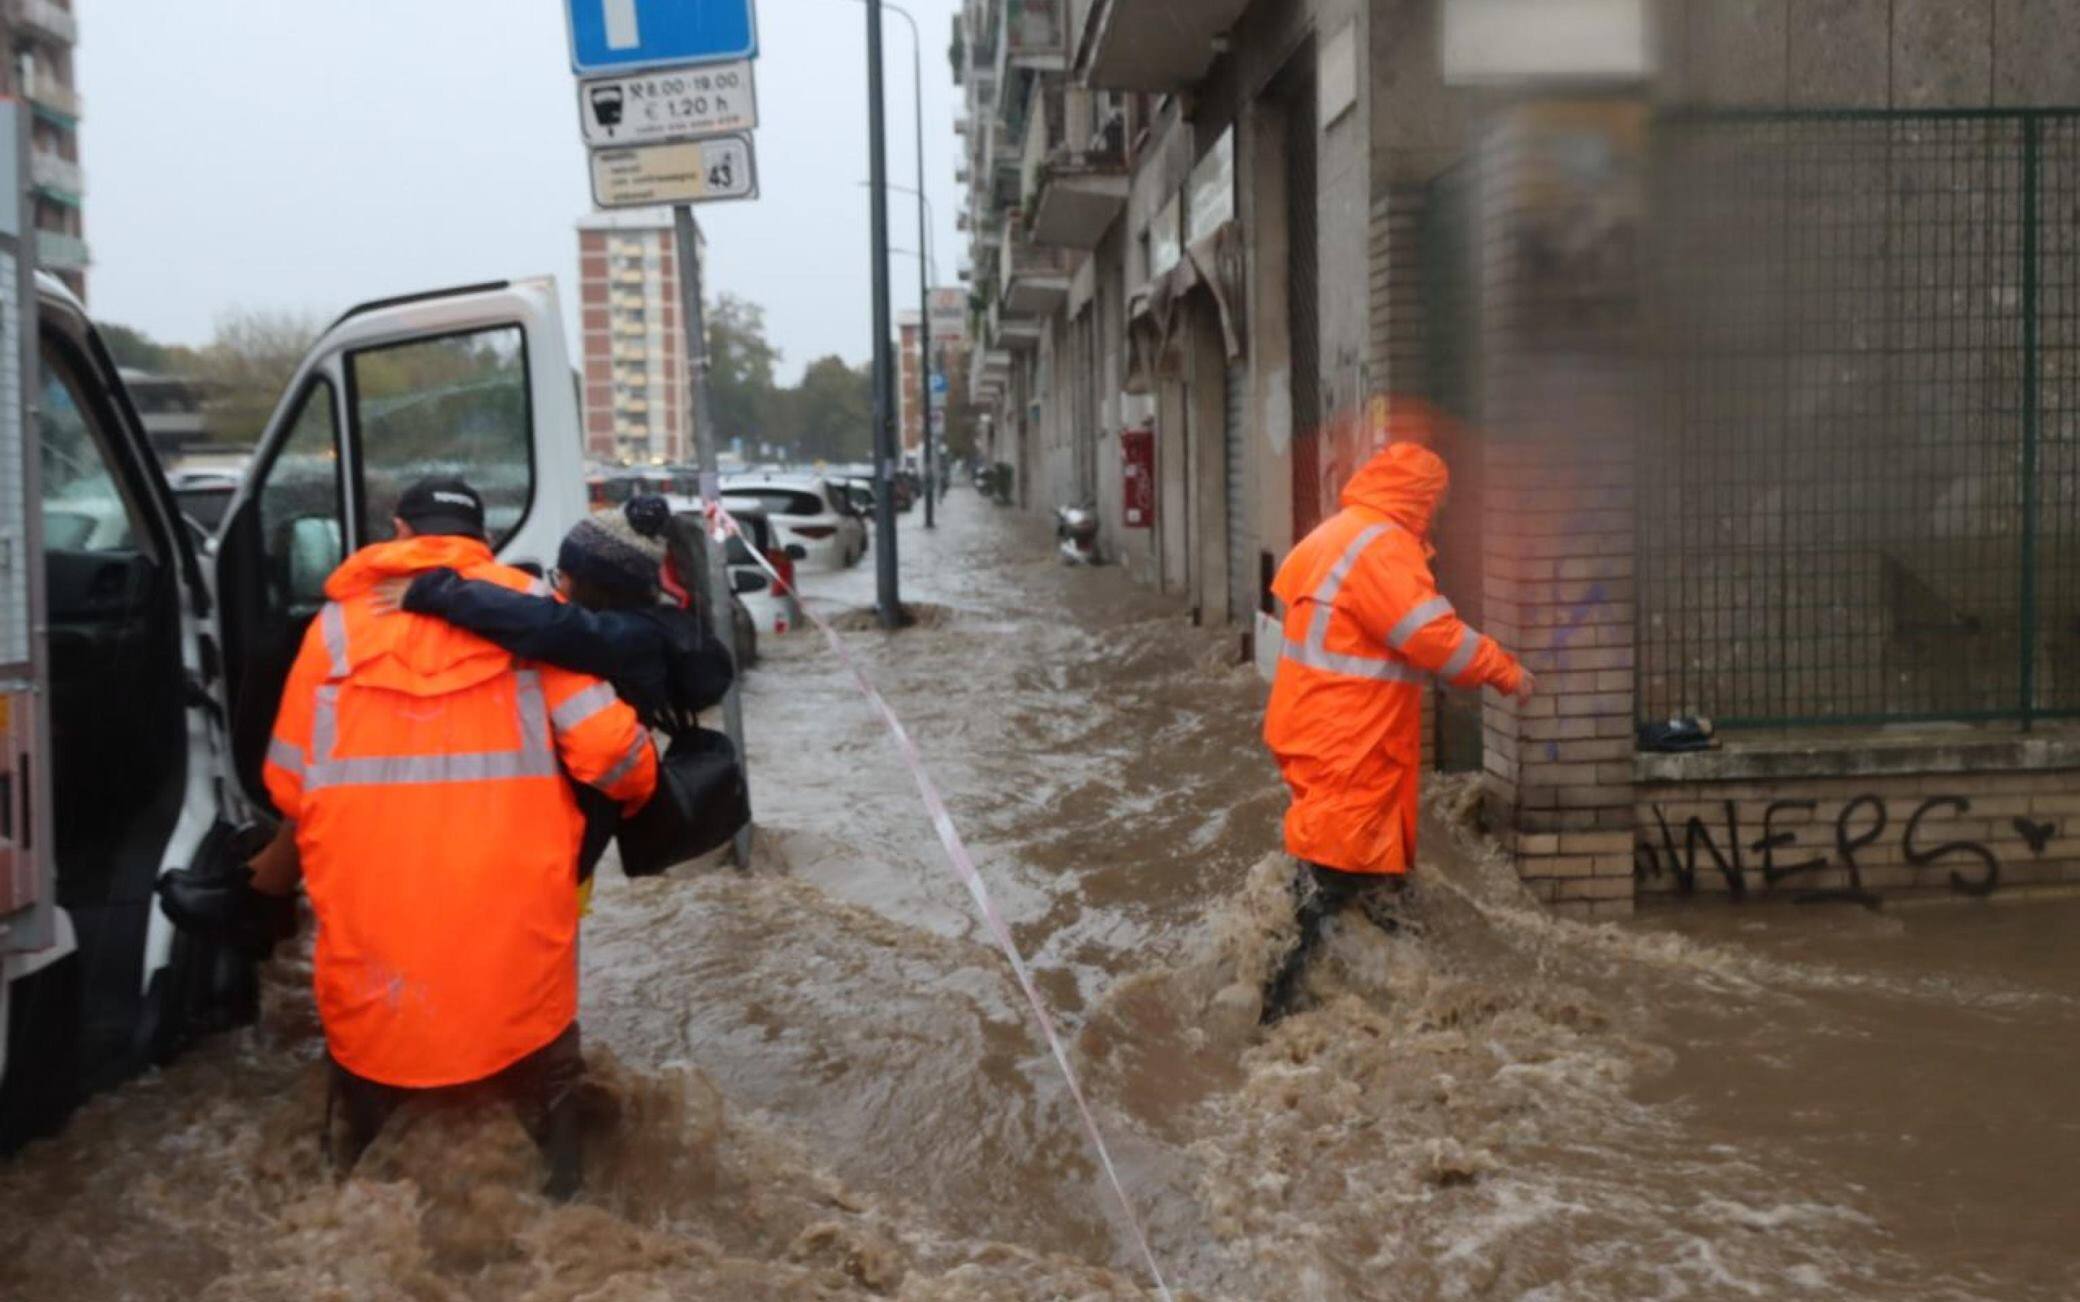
pixel 310 154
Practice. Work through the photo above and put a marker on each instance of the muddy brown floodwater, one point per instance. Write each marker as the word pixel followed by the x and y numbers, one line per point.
pixel 826 1085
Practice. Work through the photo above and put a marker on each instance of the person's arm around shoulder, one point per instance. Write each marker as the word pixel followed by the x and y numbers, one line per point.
pixel 529 627
pixel 599 738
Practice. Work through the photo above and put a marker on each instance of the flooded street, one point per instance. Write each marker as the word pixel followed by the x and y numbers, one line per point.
pixel 818 1079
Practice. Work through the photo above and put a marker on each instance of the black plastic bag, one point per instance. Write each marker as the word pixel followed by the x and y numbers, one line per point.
pixel 700 803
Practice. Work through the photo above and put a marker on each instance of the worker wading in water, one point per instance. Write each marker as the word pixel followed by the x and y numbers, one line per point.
pixel 1365 634
pixel 424 778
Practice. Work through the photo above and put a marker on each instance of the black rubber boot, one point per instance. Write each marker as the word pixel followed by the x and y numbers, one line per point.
pixel 562 1145
pixel 1320 894
pixel 1315 902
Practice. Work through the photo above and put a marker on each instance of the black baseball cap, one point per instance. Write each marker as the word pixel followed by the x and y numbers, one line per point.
pixel 440 505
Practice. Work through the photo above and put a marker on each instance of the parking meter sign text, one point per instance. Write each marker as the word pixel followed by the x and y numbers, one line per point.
pixel 669 104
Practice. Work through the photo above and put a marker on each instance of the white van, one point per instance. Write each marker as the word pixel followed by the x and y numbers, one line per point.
pixel 131 732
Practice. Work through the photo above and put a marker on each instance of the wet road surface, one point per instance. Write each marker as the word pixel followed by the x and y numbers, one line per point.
pixel 826 1085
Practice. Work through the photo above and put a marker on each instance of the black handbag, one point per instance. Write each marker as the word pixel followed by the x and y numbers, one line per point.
pixel 700 803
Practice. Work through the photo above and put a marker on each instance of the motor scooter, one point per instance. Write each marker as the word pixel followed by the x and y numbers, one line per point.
pixel 1076 533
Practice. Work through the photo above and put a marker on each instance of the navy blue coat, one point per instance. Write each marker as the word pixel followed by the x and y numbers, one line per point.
pixel 662 660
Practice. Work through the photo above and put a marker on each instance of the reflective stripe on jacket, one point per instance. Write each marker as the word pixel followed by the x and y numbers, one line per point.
pixel 425 768
pixel 1365 633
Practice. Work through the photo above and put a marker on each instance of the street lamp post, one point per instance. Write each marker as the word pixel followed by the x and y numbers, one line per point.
pixel 887 592
pixel 924 291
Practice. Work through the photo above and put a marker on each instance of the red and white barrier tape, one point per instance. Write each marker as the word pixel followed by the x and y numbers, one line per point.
pixel 720 526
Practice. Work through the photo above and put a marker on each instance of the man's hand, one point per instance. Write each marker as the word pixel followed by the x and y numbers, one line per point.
pixel 387 597
pixel 1527 685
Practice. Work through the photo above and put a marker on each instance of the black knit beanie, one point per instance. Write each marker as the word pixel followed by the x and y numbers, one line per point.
pixel 619 551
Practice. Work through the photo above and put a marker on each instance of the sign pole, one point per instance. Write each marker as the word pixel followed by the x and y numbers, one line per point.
pixel 885 454
pixel 693 317
pixel 924 294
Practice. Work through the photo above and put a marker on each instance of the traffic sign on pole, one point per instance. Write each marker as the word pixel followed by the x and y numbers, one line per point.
pixel 685 171
pixel 669 104
pixel 629 35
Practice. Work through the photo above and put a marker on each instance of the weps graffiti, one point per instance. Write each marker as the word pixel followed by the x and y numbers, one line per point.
pixel 1778 854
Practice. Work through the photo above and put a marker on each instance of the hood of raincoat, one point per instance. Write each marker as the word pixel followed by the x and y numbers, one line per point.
pixel 1404 483
pixel 416 654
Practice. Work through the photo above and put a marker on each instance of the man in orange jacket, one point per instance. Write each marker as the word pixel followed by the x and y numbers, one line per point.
pixel 1365 633
pixel 422 769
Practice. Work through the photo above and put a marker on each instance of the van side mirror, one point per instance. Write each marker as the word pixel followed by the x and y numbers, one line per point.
pixel 797 552
pixel 315 552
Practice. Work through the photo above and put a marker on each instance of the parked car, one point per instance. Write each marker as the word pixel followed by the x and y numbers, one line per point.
pixel 859 495
pixel 204 496
pixel 860 488
pixel 771 607
pixel 768 606
pixel 806 511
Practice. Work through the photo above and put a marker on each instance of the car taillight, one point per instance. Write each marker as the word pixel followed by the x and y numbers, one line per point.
pixel 783 565
pixel 819 532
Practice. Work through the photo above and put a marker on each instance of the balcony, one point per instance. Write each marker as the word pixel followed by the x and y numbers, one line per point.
pixel 58 251
pixel 1033 35
pixel 57 178
pixel 56 99
pixel 1022 336
pixel 1081 196
pixel 1080 190
pixel 988 369
pixel 1153 45
pixel 51 22
pixel 1035 279
pixel 630 353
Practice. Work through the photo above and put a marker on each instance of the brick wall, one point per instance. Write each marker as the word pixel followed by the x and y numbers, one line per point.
pixel 1557 412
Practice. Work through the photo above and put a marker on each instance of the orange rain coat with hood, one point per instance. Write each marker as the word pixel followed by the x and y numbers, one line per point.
pixel 425 771
pixel 1365 632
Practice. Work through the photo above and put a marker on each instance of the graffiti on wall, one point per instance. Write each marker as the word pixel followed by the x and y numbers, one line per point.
pixel 1789 845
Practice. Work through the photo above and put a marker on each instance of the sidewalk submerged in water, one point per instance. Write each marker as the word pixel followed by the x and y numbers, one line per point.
pixel 827 1085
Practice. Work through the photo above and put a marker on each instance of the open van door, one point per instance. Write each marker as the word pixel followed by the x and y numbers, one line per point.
pixel 472 382
pixel 27 882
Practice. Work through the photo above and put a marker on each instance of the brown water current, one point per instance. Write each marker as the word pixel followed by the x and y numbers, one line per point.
pixel 817 1079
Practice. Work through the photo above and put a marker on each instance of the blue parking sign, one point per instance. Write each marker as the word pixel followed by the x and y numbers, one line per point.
pixel 624 35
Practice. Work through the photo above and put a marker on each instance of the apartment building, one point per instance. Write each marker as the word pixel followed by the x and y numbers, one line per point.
pixel 637 404
pixel 41 34
pixel 1739 324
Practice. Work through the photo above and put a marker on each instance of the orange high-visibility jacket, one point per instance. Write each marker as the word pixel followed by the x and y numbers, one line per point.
pixel 1365 630
pixel 424 768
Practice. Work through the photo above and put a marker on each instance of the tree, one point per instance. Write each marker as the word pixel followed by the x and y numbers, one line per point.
pixel 247 365
pixel 834 411
pixel 136 350
pixel 741 391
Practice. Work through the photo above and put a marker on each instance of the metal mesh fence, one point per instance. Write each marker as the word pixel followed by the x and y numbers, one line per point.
pixel 1860 458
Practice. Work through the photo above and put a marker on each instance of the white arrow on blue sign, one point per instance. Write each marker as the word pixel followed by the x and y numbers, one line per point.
pixel 624 35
